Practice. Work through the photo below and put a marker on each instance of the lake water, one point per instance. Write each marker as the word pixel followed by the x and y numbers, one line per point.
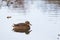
pixel 45 20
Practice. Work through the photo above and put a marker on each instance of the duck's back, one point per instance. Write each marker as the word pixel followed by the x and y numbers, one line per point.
pixel 22 26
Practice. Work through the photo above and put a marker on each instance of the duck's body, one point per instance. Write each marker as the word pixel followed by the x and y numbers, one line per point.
pixel 21 27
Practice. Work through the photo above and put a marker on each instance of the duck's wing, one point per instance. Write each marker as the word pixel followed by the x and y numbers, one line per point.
pixel 21 24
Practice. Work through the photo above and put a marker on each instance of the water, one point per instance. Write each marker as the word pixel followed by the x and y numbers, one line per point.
pixel 44 26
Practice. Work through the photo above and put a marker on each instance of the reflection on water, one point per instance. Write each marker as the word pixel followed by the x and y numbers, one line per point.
pixel 52 10
pixel 16 5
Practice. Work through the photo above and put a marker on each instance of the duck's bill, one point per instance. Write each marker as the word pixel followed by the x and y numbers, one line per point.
pixel 31 24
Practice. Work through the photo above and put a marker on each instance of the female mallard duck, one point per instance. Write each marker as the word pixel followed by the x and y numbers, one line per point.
pixel 22 27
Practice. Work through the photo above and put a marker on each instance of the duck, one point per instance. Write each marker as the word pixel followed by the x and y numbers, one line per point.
pixel 22 27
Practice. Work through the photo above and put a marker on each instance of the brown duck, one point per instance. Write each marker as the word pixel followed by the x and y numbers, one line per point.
pixel 22 27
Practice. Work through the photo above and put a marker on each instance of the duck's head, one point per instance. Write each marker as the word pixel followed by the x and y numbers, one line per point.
pixel 27 22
